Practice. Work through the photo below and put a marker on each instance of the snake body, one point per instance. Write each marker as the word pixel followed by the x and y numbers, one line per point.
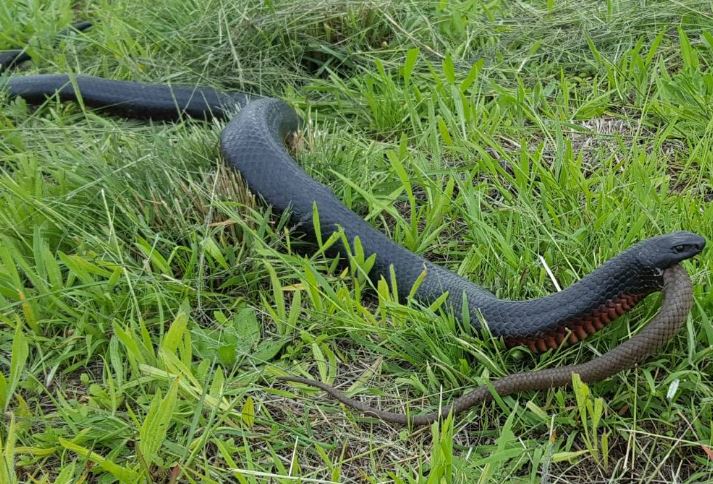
pixel 252 142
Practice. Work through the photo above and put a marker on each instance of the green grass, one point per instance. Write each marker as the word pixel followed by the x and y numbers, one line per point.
pixel 147 301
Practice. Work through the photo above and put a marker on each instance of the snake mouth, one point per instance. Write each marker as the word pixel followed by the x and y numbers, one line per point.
pixel 581 327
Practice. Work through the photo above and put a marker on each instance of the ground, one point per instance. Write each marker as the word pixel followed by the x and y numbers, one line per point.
pixel 148 301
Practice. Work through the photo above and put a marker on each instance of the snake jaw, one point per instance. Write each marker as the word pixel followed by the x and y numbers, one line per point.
pixel 580 328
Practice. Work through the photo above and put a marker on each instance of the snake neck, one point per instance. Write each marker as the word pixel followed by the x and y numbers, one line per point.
pixel 567 316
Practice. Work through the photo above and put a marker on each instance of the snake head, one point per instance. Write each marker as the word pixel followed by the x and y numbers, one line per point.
pixel 662 252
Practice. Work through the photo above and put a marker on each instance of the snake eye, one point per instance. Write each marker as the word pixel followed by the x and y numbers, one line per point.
pixel 679 248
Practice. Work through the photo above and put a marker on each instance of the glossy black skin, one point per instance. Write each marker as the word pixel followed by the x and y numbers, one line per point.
pixel 666 250
pixel 252 143
pixel 138 100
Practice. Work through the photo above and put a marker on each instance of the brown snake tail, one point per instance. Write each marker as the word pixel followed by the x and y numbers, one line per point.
pixel 676 304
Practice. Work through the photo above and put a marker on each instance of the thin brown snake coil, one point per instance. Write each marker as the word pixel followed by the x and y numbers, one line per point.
pixel 677 302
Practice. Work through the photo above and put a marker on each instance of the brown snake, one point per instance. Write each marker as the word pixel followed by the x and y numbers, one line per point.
pixel 676 304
